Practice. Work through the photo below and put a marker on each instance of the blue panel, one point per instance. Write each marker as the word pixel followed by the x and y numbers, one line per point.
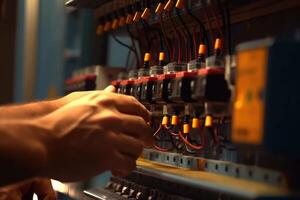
pixel 117 54
pixel 50 47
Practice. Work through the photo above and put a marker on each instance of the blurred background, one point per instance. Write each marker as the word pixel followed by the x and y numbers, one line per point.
pixel 43 42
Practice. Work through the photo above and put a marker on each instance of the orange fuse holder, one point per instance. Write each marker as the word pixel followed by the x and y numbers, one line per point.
pixel 107 26
pixel 137 16
pixel 180 4
pixel 195 123
pixel 146 14
pixel 115 23
pixel 169 5
pixel 208 121
pixel 122 21
pixel 174 120
pixel 165 120
pixel 160 8
pixel 186 128
pixel 129 19
pixel 100 29
pixel 218 46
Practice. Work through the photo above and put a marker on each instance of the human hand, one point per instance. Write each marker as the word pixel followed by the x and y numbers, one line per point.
pixel 98 132
pixel 58 103
pixel 25 190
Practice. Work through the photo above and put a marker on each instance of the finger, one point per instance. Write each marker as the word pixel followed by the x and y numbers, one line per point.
pixel 129 146
pixel 124 164
pixel 127 105
pixel 138 128
pixel 110 88
pixel 43 189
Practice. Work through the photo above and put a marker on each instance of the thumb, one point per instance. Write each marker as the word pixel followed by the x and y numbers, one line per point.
pixel 110 89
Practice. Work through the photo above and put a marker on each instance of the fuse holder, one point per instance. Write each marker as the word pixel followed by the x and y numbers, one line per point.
pixel 107 26
pixel 202 49
pixel 162 56
pixel 147 57
pixel 165 120
pixel 208 121
pixel 218 44
pixel 195 123
pixel 169 5
pixel 115 24
pixel 146 14
pixel 180 4
pixel 186 128
pixel 100 29
pixel 174 120
pixel 129 19
pixel 160 8
pixel 137 16
pixel 122 21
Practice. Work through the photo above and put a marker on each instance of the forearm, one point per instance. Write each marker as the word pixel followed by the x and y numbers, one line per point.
pixel 23 153
pixel 30 110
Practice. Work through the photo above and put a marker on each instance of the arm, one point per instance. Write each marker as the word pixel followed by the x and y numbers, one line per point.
pixel 101 131
pixel 30 110
pixel 37 109
pixel 22 150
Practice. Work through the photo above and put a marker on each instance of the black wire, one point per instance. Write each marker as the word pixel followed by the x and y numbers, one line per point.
pixel 134 46
pixel 120 42
pixel 146 28
pixel 186 28
pixel 127 59
pixel 228 27
pixel 205 35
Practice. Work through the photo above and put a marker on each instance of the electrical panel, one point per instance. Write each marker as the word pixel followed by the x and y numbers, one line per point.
pixel 224 108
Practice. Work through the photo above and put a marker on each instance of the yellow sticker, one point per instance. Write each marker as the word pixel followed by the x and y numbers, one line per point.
pixel 249 108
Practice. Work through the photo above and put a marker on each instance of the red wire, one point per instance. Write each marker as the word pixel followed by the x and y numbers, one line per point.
pixel 217 22
pixel 165 36
pixel 161 149
pixel 158 130
pixel 157 147
pixel 209 27
pixel 195 43
pixel 172 133
pixel 195 147
pixel 178 37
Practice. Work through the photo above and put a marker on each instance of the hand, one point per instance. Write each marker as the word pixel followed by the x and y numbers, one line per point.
pixel 75 96
pixel 41 187
pixel 98 132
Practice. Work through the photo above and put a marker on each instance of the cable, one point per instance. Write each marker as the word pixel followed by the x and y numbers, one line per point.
pixel 187 30
pixel 120 42
pixel 166 39
pixel 178 35
pixel 205 38
pixel 195 147
pixel 134 46
pixel 128 58
pixel 219 26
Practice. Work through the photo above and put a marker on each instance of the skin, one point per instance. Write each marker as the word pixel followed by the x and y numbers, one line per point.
pixel 83 135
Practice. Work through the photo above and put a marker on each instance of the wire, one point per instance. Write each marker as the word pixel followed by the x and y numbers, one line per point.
pixel 209 27
pixel 128 59
pixel 178 35
pixel 195 147
pixel 187 30
pixel 120 42
pixel 195 43
pixel 134 46
pixel 166 38
pixel 146 30
pixel 218 23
